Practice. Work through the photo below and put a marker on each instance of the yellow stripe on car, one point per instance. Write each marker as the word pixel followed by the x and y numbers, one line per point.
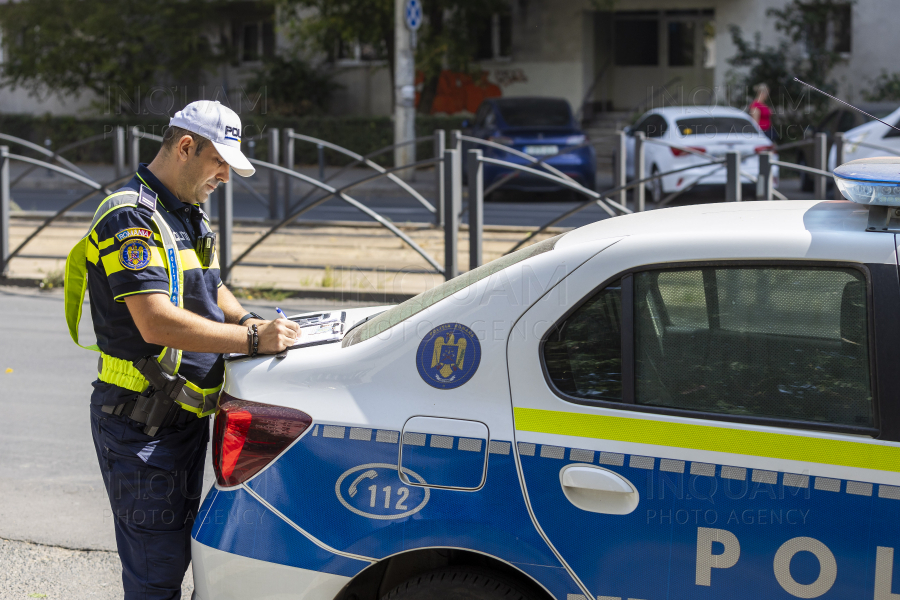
pixel 711 438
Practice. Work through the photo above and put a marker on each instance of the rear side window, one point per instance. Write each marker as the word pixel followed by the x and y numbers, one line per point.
pixel 710 126
pixel 582 354
pixel 653 126
pixel 774 342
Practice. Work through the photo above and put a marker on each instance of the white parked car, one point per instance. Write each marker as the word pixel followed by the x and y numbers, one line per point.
pixel 872 132
pixel 700 402
pixel 710 130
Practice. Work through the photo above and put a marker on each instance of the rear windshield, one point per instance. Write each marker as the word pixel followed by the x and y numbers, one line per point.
pixel 535 113
pixel 417 304
pixel 715 126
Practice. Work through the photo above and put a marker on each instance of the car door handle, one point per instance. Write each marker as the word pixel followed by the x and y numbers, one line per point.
pixel 599 490
pixel 592 478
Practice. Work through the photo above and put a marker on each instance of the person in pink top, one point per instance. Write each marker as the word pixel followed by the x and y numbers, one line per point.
pixel 760 111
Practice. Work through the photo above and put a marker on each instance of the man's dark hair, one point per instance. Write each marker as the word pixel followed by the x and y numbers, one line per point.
pixel 173 134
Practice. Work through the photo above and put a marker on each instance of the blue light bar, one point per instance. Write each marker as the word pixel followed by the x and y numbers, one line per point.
pixel 873 181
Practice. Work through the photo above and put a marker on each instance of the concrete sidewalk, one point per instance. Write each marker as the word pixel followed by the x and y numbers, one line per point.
pixel 346 261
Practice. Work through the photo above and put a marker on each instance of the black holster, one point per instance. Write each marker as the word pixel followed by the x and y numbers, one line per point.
pixel 156 406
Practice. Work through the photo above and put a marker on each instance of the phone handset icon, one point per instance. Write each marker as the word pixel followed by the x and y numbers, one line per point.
pixel 370 474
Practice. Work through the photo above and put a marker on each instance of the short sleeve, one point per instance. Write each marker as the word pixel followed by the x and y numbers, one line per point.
pixel 131 254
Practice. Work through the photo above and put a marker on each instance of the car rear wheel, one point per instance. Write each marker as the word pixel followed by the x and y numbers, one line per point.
pixel 458 583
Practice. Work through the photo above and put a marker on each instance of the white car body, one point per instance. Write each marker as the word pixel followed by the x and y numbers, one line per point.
pixel 873 132
pixel 294 530
pixel 659 158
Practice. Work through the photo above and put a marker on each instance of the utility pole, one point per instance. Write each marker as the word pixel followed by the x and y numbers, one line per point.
pixel 407 19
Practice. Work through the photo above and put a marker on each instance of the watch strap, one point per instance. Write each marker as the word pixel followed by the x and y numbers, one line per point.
pixel 248 316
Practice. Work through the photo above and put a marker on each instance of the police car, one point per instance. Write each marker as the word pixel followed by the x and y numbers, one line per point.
pixel 698 402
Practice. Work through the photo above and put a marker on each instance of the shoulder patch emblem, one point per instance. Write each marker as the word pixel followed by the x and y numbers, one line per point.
pixel 133 232
pixel 448 356
pixel 135 254
pixel 147 197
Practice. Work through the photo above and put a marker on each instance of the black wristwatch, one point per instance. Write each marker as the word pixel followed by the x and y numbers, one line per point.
pixel 250 315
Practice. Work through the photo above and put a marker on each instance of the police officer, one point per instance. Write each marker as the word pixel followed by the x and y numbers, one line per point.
pixel 162 318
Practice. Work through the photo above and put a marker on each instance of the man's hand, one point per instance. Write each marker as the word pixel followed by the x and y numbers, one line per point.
pixel 277 335
pixel 163 324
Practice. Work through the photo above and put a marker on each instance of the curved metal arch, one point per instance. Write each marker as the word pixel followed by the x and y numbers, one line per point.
pixel 56 154
pixel 509 176
pixel 340 194
pixel 403 185
pixel 514 152
pixel 796 167
pixel 372 154
pixel 586 204
pixel 45 165
pixel 145 136
pixel 41 150
pixel 873 146
pixel 64 210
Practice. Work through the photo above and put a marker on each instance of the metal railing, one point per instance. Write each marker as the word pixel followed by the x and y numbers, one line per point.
pixel 449 165
pixel 6 157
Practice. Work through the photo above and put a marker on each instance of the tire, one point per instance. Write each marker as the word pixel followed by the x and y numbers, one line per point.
pixel 654 188
pixel 458 583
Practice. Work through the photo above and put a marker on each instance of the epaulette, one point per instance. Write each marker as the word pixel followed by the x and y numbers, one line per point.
pixel 146 202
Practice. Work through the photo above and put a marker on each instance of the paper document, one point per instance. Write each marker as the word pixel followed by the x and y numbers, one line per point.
pixel 319 328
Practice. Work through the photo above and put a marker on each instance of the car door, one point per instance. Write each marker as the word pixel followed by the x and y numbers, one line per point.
pixel 711 431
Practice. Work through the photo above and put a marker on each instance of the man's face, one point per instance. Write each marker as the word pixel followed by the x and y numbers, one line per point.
pixel 202 173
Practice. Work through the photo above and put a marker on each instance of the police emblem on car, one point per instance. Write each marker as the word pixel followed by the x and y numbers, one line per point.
pixel 134 254
pixel 448 356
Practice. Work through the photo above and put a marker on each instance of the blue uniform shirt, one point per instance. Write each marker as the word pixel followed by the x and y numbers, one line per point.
pixel 116 275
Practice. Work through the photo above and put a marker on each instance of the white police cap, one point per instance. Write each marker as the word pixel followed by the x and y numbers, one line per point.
pixel 221 126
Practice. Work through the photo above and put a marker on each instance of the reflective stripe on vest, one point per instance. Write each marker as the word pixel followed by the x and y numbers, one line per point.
pixel 117 371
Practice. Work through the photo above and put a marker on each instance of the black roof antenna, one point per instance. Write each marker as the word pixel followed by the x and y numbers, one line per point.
pixel 847 103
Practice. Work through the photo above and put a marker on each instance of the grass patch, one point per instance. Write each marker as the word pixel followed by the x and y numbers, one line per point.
pixel 53 279
pixel 329 280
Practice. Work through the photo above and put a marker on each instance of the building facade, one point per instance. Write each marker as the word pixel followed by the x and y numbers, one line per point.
pixel 642 53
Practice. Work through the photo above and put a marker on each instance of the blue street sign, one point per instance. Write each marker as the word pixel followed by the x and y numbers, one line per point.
pixel 413 14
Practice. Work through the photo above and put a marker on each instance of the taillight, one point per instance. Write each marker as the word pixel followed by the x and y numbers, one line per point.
pixel 681 152
pixel 759 149
pixel 249 435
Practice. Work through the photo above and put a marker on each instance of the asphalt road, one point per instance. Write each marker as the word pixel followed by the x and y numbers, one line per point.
pixel 51 492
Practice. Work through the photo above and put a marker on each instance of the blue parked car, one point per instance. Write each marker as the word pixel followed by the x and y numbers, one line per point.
pixel 541 127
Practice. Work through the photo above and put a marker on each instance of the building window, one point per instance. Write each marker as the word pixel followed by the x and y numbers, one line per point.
pixel 254 40
pixel 355 52
pixel 493 38
pixel 637 43
pixel 831 25
pixel 681 43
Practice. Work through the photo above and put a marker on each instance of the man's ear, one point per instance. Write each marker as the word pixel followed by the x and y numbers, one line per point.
pixel 183 147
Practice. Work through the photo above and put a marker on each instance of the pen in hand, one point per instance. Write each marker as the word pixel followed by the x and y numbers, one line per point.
pixel 283 353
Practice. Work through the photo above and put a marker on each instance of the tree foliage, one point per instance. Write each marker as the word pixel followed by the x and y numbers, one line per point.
pixel 885 88
pixel 66 46
pixel 806 51
pixel 294 87
pixel 446 40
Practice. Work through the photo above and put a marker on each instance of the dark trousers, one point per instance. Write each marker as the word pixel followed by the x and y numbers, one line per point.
pixel 154 486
